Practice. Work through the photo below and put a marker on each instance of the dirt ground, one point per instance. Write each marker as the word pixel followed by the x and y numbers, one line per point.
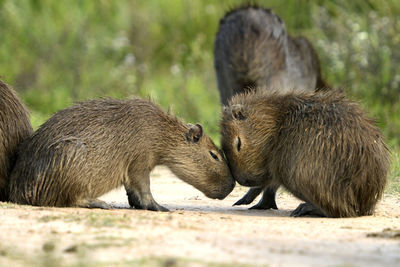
pixel 196 232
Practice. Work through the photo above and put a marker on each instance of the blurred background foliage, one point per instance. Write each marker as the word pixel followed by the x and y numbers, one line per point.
pixel 57 52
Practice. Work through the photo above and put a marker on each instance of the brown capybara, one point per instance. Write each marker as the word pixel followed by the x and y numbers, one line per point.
pixel 320 146
pixel 86 150
pixel 254 51
pixel 14 128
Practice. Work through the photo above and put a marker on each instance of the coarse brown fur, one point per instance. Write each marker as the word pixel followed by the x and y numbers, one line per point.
pixel 14 128
pixel 320 146
pixel 254 51
pixel 86 150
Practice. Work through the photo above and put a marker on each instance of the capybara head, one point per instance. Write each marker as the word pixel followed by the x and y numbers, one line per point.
pixel 199 162
pixel 245 135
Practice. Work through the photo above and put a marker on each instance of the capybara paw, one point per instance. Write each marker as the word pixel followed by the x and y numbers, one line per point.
pixel 154 206
pixel 134 201
pixel 249 196
pixel 94 204
pixel 161 208
pixel 265 205
pixel 157 207
pixel 306 209
pixel 243 201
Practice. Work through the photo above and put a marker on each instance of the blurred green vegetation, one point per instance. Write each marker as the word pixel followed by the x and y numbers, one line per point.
pixel 57 52
pixel 394 177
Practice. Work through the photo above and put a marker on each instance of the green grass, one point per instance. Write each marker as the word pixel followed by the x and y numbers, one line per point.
pixel 393 186
pixel 55 53
pixel 79 255
pixel 94 219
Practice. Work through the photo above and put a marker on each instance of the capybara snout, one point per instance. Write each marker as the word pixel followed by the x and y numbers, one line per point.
pixel 203 165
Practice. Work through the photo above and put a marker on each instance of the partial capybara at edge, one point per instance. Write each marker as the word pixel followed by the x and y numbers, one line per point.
pixel 320 146
pixel 86 150
pixel 253 51
pixel 14 128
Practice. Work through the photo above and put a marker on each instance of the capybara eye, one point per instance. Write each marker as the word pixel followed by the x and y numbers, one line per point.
pixel 239 144
pixel 214 156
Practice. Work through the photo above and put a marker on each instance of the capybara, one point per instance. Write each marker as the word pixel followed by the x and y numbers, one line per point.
pixel 86 150
pixel 254 51
pixel 14 128
pixel 319 145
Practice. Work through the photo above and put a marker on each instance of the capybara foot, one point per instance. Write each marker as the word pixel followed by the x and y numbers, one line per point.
pixel 134 200
pixel 268 200
pixel 93 203
pixel 265 204
pixel 154 206
pixel 307 209
pixel 157 207
pixel 249 196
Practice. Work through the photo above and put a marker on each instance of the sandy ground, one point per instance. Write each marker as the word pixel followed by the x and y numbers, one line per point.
pixel 197 231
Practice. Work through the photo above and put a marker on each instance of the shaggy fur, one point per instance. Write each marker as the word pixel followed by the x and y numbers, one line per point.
pixel 86 150
pixel 320 146
pixel 14 128
pixel 253 51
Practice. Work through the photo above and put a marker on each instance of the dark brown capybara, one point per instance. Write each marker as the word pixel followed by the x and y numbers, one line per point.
pixel 86 150
pixel 254 51
pixel 14 128
pixel 319 145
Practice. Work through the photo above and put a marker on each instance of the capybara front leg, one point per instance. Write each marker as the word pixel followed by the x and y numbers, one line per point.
pixel 267 200
pixel 139 194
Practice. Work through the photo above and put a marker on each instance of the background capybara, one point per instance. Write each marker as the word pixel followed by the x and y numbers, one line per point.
pixel 320 146
pixel 93 147
pixel 254 51
pixel 14 128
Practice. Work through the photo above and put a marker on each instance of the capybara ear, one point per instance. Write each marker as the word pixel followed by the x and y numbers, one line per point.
pixel 238 112
pixel 195 133
pixel 226 111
